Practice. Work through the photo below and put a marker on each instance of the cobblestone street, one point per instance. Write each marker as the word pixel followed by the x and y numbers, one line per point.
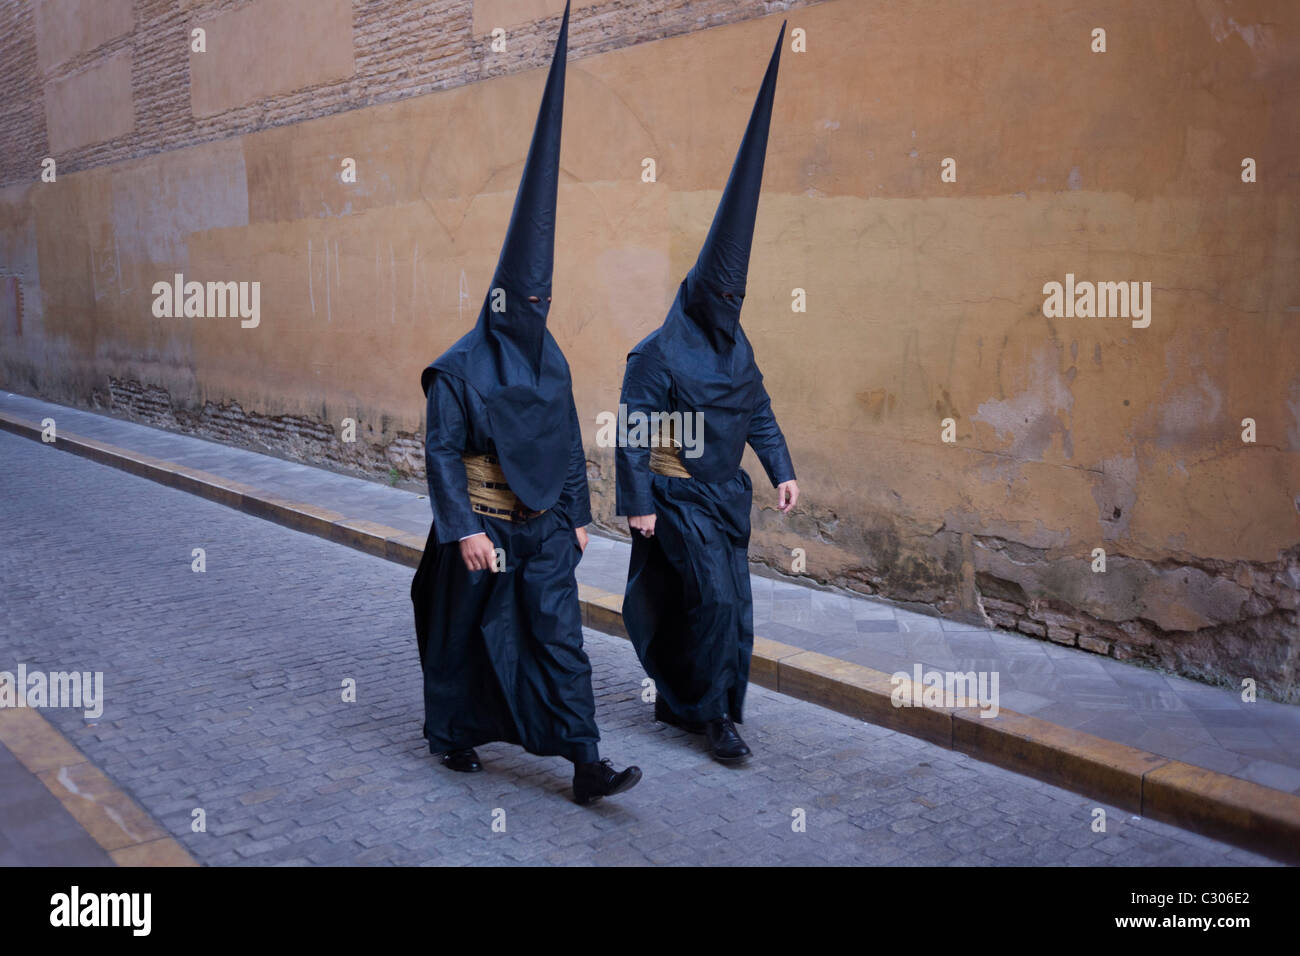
pixel 224 692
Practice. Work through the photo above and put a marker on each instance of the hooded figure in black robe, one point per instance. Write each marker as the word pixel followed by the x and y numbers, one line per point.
pixel 688 608
pixel 497 618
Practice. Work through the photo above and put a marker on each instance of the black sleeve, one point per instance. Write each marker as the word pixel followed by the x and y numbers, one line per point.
pixel 575 499
pixel 767 441
pixel 444 443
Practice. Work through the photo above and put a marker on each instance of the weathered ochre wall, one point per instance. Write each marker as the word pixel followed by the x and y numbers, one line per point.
pixel 925 298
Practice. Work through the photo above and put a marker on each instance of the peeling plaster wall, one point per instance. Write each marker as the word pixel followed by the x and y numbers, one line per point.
pixel 925 299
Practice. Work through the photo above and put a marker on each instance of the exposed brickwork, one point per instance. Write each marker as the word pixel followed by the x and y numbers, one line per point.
pixel 1256 644
pixel 293 436
pixel 402 49
pixel 22 115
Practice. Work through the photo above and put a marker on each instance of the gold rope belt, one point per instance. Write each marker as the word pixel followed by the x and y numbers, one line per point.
pixel 667 458
pixel 489 492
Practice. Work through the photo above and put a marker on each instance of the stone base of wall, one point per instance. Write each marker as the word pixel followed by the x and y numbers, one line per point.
pixel 1220 622
pixel 1215 621
pixel 304 439
pixel 1212 621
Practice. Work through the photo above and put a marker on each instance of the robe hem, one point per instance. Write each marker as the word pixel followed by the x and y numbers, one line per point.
pixel 577 753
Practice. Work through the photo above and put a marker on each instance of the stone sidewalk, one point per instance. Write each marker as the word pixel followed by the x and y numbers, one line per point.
pixel 223 695
pixel 35 828
pixel 1180 719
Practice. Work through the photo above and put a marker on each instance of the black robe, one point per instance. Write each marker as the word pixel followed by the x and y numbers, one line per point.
pixel 501 652
pixel 688 608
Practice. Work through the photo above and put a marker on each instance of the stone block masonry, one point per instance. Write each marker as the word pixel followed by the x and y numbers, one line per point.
pixel 923 294
pixel 399 457
pixel 397 50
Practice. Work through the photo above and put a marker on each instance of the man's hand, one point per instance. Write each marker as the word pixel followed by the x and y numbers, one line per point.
pixel 787 493
pixel 582 539
pixel 643 525
pixel 478 554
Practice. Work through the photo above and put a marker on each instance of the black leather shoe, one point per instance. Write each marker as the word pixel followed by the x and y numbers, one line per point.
pixel 462 761
pixel 591 781
pixel 666 716
pixel 724 741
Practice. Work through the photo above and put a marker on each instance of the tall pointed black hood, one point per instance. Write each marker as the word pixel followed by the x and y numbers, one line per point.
pixel 528 253
pixel 701 342
pixel 723 263
pixel 509 357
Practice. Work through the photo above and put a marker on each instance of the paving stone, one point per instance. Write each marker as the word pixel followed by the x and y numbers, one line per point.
pixel 288 774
